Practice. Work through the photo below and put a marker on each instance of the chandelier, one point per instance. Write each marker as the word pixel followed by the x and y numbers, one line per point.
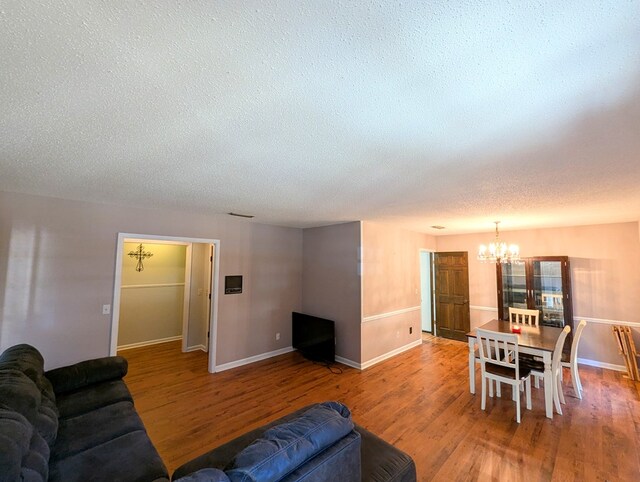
pixel 499 251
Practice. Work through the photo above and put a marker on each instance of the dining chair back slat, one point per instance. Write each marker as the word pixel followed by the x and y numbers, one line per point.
pixel 522 316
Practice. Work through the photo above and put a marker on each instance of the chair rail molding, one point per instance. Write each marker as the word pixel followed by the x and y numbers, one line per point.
pixel 483 308
pixel 602 321
pixel 389 314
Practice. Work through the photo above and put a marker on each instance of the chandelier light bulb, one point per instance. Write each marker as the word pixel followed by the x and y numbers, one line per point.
pixel 499 251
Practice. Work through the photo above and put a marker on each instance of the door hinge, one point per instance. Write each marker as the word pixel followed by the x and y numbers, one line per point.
pixel 208 333
pixel 209 296
pixel 211 258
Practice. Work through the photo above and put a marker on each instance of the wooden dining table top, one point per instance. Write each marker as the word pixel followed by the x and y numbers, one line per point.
pixel 539 337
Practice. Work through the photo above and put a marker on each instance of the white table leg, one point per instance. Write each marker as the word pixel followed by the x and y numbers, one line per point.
pixel 548 384
pixel 472 366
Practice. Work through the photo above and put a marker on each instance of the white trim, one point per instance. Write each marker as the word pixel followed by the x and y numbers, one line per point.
pixel 483 308
pixel 149 342
pixel 196 348
pixel 349 363
pixel 390 354
pixel 253 359
pixel 599 364
pixel 155 285
pixel 213 312
pixel 390 314
pixel 607 322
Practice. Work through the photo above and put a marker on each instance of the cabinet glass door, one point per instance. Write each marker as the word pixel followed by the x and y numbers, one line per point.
pixel 514 286
pixel 548 291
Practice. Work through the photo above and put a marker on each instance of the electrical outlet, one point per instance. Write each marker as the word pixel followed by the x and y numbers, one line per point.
pixel 277 336
pixel 398 334
pixel 106 309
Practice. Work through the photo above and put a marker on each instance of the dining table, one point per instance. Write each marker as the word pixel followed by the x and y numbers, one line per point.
pixel 538 340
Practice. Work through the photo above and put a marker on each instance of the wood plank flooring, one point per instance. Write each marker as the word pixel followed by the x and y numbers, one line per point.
pixel 418 401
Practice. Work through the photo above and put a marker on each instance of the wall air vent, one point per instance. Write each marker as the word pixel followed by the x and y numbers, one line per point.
pixel 248 216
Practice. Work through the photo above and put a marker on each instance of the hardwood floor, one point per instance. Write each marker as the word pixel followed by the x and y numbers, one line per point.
pixel 418 401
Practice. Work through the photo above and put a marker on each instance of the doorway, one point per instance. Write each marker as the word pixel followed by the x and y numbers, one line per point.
pixel 452 313
pixel 426 290
pixel 198 291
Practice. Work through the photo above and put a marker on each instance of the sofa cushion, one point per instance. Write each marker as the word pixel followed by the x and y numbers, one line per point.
pixel 24 454
pixel 71 404
pixel 285 447
pixel 77 434
pixel 88 372
pixel 130 457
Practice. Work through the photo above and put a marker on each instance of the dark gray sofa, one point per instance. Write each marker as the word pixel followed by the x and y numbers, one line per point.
pixel 74 423
pixel 78 423
pixel 379 461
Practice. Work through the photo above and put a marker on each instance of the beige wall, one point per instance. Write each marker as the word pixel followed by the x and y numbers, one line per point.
pixel 149 309
pixel 331 283
pixel 57 264
pixel 605 277
pixel 390 288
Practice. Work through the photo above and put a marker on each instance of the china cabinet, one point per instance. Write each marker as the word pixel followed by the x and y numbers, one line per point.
pixel 542 283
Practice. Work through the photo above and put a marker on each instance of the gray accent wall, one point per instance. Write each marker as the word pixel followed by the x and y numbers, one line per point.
pixel 57 268
pixel 331 283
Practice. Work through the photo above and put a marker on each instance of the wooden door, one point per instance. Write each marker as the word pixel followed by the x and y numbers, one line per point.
pixel 452 295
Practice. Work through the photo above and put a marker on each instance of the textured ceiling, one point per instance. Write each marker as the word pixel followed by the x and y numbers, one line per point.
pixel 307 113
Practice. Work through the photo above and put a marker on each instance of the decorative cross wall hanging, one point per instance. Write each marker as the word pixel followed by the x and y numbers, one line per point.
pixel 140 254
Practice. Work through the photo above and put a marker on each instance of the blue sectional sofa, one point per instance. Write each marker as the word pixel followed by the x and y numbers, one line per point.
pixel 78 423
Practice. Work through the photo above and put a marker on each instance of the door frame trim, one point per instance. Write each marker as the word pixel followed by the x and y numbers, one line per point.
pixel 432 295
pixel 117 284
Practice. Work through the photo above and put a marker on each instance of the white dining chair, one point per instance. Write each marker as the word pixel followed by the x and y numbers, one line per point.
pixel 537 368
pixel 523 316
pixel 495 366
pixel 572 361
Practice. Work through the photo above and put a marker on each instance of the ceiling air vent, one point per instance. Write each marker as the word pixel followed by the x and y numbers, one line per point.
pixel 437 227
pixel 248 216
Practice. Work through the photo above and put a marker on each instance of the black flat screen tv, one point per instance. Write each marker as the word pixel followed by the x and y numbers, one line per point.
pixel 314 337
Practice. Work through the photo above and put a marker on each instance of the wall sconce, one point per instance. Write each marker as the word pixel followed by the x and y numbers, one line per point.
pixel 140 254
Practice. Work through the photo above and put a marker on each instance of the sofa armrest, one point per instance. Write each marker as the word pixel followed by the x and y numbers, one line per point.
pixel 205 475
pixel 88 372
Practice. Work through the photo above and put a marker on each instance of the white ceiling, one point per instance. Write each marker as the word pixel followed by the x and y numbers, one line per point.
pixel 307 112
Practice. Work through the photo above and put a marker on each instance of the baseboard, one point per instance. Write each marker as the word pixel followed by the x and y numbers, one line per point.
pixel 599 364
pixel 196 348
pixel 252 359
pixel 392 353
pixel 349 363
pixel 149 343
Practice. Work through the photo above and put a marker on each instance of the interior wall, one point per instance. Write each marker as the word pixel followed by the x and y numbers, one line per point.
pixel 605 277
pixel 198 318
pixel 331 283
pixel 391 298
pixel 152 300
pixel 57 268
